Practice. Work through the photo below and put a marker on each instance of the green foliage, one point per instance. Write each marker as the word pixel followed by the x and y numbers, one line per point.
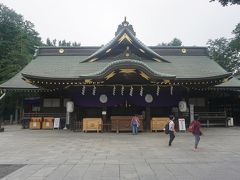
pixel 61 43
pixel 226 52
pixel 174 42
pixel 235 42
pixel 17 42
pixel 228 2
pixel 219 51
pixel 7 105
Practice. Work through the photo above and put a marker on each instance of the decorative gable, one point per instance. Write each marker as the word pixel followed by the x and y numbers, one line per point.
pixel 125 45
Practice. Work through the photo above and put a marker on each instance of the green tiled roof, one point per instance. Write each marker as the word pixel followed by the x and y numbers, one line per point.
pixel 183 67
pixel 232 83
pixel 69 67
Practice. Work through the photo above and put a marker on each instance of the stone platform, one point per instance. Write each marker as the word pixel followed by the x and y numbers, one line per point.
pixel 59 154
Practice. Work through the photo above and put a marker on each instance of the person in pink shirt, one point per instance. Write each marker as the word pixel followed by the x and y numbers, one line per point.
pixel 196 131
pixel 135 123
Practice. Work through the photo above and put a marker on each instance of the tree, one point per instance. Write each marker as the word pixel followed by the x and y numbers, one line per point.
pixel 228 2
pixel 48 42
pixel 174 42
pixel 219 51
pixel 17 41
pixel 235 42
pixel 235 47
pixel 61 43
pixel 226 52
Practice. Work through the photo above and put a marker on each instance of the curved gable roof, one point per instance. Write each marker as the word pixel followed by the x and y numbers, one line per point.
pixel 125 40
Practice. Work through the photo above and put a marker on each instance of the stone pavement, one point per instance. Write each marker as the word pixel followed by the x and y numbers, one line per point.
pixel 59 154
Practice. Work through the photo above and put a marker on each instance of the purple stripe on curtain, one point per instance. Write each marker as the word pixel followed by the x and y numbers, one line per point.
pixel 164 99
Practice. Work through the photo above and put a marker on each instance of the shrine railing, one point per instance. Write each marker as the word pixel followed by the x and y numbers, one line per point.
pixel 212 118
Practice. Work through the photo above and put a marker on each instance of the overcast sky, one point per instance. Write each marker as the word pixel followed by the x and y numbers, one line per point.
pixel 94 22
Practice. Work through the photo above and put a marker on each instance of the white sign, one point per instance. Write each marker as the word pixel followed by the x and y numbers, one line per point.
pixel 56 123
pixel 181 124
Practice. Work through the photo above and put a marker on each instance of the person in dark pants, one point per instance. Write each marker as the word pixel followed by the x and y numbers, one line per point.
pixel 196 131
pixel 171 130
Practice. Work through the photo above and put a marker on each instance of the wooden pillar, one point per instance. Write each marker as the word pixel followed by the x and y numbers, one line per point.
pixel 16 110
pixel 104 118
pixel 104 115
pixel 21 111
pixel 148 118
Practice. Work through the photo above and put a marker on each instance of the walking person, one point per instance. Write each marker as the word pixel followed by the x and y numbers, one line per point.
pixel 195 129
pixel 135 123
pixel 171 129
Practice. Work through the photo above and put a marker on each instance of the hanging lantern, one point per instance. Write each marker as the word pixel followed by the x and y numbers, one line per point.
pixel 122 90
pixel 141 91
pixel 94 90
pixel 83 90
pixel 182 105
pixel 158 89
pixel 114 90
pixel 131 91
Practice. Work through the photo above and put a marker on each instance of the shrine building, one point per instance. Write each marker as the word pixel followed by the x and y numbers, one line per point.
pixel 113 82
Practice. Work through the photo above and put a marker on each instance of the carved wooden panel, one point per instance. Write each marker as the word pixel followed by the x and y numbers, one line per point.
pixel 158 123
pixel 123 123
pixel 92 124
pixel 35 123
pixel 47 123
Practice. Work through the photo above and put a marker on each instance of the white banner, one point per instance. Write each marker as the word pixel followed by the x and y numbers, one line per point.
pixel 182 125
pixel 56 123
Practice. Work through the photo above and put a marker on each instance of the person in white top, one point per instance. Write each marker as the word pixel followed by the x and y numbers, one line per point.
pixel 171 130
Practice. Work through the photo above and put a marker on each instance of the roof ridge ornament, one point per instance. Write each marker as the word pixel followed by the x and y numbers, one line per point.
pixel 125 25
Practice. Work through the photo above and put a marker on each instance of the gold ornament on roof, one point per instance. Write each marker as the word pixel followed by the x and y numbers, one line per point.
pixel 225 80
pixel 127 71
pixel 107 51
pixel 184 51
pixel 28 81
pixel 124 36
pixel 142 50
pixel 88 81
pixel 110 75
pixel 166 81
pixel 144 75
pixel 156 59
pixel 92 60
pixel 61 51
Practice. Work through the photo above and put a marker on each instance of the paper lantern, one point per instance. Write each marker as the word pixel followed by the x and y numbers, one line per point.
pixel 70 106
pixel 182 105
